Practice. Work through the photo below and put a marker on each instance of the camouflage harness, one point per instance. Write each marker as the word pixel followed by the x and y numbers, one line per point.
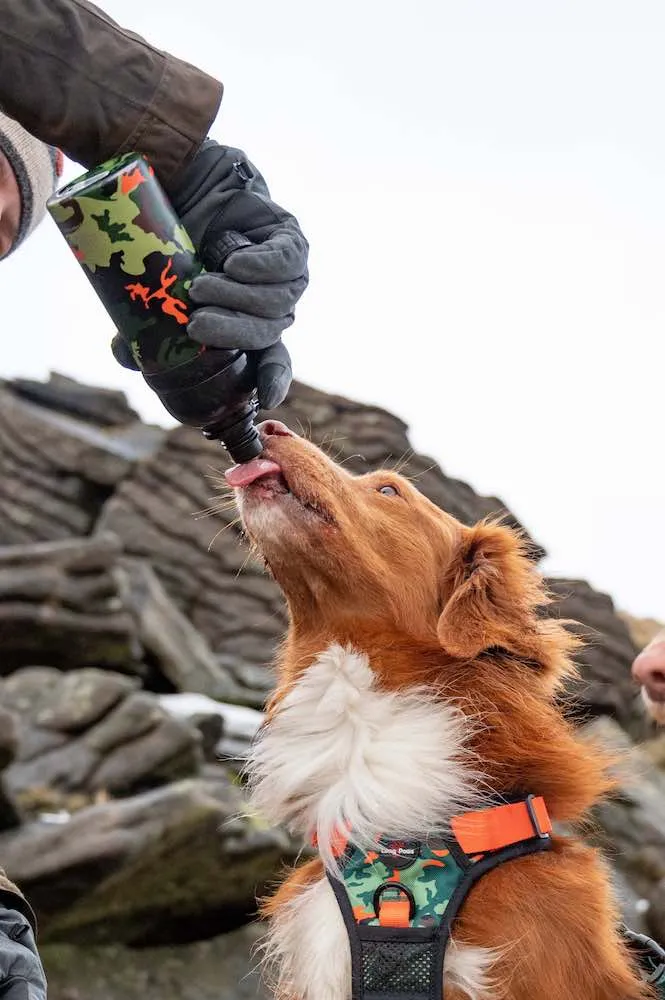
pixel 399 900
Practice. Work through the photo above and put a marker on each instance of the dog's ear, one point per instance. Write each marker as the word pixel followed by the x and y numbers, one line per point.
pixel 492 595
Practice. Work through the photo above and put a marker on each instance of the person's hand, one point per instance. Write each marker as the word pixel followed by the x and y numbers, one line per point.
pixel 247 302
pixel 255 257
pixel 247 298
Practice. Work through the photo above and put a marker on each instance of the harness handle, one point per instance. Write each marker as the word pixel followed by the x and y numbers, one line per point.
pixel 397 912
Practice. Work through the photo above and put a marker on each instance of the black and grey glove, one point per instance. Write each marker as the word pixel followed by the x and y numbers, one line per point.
pixel 246 299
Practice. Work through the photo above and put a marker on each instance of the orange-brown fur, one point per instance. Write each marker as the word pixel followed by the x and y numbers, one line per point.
pixel 458 609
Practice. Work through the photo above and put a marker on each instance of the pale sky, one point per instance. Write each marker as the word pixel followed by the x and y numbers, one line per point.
pixel 483 187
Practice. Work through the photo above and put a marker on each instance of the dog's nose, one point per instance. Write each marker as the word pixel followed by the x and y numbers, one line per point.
pixel 273 428
pixel 649 667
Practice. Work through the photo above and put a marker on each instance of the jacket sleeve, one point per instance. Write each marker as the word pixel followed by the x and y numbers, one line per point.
pixel 21 972
pixel 76 80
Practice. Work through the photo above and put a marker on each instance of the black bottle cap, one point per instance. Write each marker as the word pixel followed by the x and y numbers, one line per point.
pixel 242 440
pixel 244 446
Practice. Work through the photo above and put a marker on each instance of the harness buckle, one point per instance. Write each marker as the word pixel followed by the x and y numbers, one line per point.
pixel 538 830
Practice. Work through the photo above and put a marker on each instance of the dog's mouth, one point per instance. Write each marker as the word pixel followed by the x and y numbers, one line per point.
pixel 264 479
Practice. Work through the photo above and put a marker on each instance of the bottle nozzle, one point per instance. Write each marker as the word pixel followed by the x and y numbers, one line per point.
pixel 242 440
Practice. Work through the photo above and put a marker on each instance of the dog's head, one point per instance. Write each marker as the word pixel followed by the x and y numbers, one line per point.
pixel 358 552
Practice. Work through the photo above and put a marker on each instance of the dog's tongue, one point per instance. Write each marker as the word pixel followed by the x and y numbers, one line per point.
pixel 249 472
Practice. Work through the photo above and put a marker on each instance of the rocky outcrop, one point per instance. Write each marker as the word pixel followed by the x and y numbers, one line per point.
pixel 174 864
pixel 605 686
pixel 96 406
pixel 58 469
pixel 237 725
pixel 81 601
pixel 62 600
pixel 642 630
pixel 183 655
pixel 9 816
pixel 91 731
pixel 223 968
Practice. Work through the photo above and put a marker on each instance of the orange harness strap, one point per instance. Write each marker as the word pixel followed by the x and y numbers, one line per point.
pixel 500 826
pixel 487 829
pixel 394 913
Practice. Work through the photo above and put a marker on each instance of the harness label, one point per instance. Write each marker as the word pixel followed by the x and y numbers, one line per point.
pixel 399 853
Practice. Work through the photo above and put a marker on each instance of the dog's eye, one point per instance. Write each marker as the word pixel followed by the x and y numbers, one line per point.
pixel 389 491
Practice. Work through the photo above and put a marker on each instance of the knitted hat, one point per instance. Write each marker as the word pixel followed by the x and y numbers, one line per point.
pixel 37 168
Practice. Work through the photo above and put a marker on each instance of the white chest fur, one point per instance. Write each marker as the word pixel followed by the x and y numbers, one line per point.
pixel 340 753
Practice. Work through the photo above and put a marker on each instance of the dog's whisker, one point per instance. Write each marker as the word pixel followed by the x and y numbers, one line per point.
pixel 350 457
pixel 215 507
pixel 245 563
pixel 416 476
pixel 221 531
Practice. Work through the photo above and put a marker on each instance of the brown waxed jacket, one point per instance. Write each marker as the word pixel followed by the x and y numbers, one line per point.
pixel 76 80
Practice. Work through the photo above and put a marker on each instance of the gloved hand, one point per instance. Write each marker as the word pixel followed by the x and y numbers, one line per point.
pixel 247 299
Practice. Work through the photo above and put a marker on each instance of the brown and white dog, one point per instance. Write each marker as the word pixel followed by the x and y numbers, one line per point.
pixel 418 678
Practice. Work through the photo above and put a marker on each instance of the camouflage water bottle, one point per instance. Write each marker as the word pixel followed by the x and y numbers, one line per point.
pixel 141 262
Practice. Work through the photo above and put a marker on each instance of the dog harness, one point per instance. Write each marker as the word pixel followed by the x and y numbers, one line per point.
pixel 400 899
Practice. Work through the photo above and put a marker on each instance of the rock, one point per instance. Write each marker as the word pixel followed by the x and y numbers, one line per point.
pixel 65 768
pixel 167 752
pixel 642 630
pixel 8 737
pixel 211 728
pixel 220 969
pixel 631 826
pixel 82 698
pixel 137 715
pixel 166 866
pixel 182 653
pixel 240 724
pixel 9 816
pixel 655 917
pixel 633 906
pixel 35 742
pixel 60 603
pixel 104 407
pixel 60 458
pixel 93 731
pixel 249 683
pixel 222 591
pixel 605 686
pixel 29 691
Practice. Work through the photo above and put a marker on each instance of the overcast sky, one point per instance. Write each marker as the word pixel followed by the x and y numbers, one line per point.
pixel 483 188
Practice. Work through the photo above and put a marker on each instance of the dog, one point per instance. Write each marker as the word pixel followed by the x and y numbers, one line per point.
pixel 417 693
pixel 649 671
